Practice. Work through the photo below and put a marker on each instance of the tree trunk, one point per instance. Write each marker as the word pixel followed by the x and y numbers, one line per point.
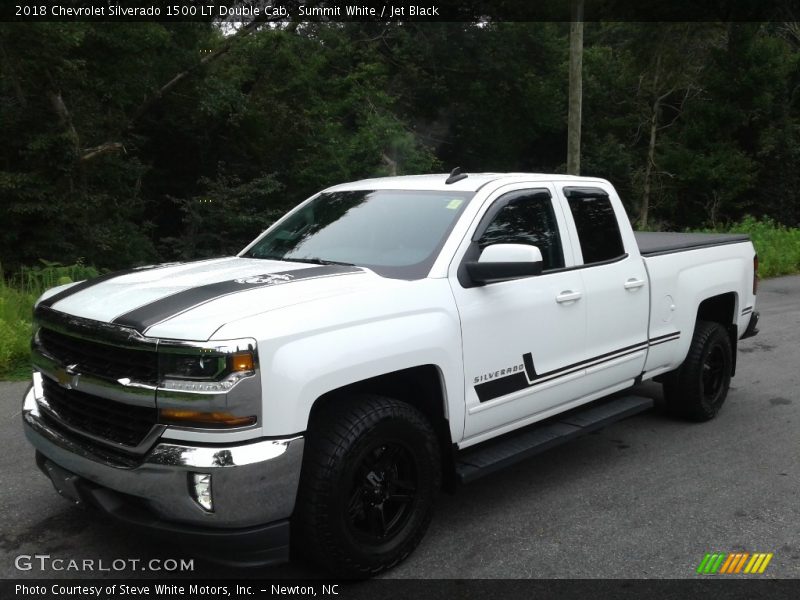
pixel 57 102
pixel 644 209
pixel 575 89
pixel 391 163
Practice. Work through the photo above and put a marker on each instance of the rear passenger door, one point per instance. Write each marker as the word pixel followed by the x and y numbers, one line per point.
pixel 615 286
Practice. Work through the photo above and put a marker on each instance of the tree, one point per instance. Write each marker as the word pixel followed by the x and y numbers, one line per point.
pixel 575 89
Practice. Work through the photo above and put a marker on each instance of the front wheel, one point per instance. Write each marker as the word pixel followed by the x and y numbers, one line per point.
pixel 370 476
pixel 698 388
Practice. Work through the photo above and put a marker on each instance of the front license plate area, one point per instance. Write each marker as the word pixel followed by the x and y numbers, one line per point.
pixel 66 483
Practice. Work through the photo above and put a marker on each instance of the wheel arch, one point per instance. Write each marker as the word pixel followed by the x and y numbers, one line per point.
pixel 423 387
pixel 722 309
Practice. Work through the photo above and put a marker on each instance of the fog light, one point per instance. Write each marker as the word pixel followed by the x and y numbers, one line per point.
pixel 201 490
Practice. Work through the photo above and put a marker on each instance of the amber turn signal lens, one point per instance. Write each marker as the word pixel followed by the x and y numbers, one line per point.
pixel 179 416
pixel 242 361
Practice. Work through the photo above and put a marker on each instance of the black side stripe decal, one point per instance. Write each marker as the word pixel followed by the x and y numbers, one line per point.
pixel 670 337
pixel 509 384
pixel 527 360
pixel 146 316
pixel 101 278
pixel 501 387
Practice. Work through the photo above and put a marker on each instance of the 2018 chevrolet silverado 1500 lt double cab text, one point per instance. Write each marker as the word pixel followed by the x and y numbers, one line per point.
pixel 384 339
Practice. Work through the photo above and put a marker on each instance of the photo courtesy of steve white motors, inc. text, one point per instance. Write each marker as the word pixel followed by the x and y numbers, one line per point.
pixel 168 589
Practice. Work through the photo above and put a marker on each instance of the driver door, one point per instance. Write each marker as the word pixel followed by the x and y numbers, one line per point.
pixel 521 338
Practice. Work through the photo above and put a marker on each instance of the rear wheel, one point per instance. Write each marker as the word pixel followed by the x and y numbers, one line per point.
pixel 698 388
pixel 370 477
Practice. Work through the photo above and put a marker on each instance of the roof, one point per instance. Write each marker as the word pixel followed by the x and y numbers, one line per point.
pixel 472 183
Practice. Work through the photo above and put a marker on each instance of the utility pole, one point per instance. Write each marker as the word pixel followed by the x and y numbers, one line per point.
pixel 575 88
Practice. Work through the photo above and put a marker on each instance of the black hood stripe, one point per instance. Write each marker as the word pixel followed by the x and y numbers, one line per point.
pixel 79 287
pixel 158 311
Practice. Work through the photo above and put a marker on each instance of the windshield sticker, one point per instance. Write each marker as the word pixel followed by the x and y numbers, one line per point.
pixel 455 203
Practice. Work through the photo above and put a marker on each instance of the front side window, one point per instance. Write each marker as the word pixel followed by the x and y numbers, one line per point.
pixel 396 233
pixel 596 222
pixel 527 218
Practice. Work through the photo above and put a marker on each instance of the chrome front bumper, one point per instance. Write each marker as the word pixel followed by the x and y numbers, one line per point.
pixel 253 483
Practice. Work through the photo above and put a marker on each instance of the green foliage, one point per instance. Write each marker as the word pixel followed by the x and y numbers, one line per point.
pixel 15 334
pixel 39 278
pixel 72 168
pixel 778 247
pixel 15 329
pixel 225 217
pixel 18 292
pixel 101 160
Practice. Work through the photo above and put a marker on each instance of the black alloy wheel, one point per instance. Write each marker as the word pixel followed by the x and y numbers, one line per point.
pixel 714 374
pixel 371 473
pixel 383 493
pixel 698 388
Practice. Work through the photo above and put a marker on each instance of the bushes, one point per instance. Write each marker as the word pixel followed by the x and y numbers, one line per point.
pixel 778 246
pixel 35 280
pixel 15 330
pixel 17 295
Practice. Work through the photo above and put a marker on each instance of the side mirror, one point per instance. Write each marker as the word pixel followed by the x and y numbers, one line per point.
pixel 504 262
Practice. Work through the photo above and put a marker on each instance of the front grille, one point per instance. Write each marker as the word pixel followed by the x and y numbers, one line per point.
pixel 112 455
pixel 114 421
pixel 103 360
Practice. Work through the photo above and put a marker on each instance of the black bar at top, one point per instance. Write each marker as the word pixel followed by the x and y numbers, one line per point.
pixel 396 10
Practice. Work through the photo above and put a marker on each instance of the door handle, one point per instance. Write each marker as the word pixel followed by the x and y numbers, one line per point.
pixel 568 296
pixel 634 284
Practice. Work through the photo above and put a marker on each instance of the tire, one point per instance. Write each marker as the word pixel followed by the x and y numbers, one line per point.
pixel 370 476
pixel 698 388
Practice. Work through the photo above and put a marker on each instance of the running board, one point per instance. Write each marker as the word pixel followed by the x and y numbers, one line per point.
pixel 491 456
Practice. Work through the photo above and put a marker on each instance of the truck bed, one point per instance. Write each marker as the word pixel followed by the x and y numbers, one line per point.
pixel 653 243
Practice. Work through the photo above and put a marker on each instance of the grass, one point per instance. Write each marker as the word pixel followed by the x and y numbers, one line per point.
pixel 15 332
pixel 17 295
pixel 778 250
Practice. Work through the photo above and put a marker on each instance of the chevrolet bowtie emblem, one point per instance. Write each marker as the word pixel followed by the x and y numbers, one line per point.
pixel 68 376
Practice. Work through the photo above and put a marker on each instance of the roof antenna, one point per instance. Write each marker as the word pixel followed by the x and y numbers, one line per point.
pixel 455 175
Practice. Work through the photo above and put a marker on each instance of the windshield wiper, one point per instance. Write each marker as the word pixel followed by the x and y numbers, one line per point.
pixel 311 260
pixel 321 261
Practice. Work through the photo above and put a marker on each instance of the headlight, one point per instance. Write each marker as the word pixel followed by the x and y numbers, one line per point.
pixel 197 382
pixel 207 366
pixel 204 364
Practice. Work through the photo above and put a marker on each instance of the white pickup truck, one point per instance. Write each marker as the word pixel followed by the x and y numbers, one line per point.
pixel 385 339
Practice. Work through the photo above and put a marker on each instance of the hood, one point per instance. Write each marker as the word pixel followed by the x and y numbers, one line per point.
pixel 192 300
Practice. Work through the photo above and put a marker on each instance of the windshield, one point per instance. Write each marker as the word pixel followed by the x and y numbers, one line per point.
pixel 396 233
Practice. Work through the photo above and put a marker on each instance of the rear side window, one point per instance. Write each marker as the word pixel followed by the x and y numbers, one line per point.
pixel 527 218
pixel 596 222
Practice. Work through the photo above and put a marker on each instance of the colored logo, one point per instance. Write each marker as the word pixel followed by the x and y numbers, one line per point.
pixel 725 563
pixel 269 278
